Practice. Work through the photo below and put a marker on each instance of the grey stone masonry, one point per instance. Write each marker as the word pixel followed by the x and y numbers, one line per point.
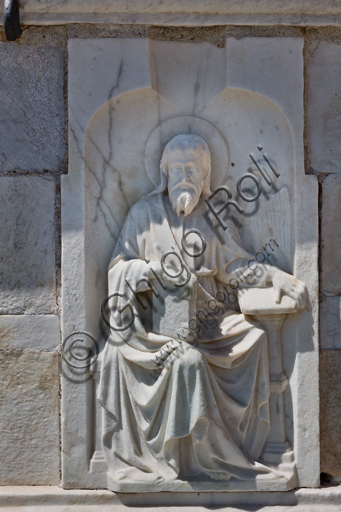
pixel 29 418
pixel 331 235
pixel 31 108
pixel 21 332
pixel 330 328
pixel 330 324
pixel 27 245
pixel 324 105
pixel 330 395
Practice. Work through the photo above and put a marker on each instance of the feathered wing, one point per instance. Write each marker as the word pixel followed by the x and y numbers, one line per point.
pixel 270 223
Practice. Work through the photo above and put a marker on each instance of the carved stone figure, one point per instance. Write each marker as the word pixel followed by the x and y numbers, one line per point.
pixel 185 381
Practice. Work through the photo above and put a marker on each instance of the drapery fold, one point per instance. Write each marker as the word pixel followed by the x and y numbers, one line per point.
pixel 205 414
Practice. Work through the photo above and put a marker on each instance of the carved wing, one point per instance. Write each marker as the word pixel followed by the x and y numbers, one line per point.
pixel 269 222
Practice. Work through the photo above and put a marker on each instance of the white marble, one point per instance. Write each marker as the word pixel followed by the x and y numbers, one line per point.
pixel 37 332
pixel 120 92
pixel 173 309
pixel 55 499
pixel 262 301
pixel 189 12
pixel 204 435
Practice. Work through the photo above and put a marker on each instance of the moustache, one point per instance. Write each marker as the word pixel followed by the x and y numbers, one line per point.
pixel 185 184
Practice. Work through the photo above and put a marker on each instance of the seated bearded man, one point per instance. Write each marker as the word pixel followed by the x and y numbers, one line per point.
pixel 202 411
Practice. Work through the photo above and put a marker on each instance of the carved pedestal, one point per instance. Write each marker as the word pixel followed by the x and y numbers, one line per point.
pixel 277 451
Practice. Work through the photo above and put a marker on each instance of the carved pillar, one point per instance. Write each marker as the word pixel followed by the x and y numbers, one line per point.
pixel 97 463
pixel 277 450
pixel 260 303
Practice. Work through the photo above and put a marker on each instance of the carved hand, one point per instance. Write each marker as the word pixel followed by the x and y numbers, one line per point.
pixel 286 284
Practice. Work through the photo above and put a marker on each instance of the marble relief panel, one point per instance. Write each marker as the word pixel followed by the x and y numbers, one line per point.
pixel 189 269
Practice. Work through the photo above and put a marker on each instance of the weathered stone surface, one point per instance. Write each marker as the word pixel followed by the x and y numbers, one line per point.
pixel 31 108
pixel 27 245
pixel 330 324
pixel 29 418
pixel 186 12
pixel 29 332
pixel 324 105
pixel 331 234
pixel 188 6
pixel 330 392
pixel 55 499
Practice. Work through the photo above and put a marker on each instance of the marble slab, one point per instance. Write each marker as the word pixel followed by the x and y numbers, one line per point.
pixel 262 302
pixel 120 91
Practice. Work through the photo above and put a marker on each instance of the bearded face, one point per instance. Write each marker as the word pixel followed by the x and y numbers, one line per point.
pixel 186 180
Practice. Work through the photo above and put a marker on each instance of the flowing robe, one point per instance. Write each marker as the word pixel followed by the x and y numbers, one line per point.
pixel 204 414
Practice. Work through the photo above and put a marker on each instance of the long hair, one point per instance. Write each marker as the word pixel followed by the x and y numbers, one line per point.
pixel 185 142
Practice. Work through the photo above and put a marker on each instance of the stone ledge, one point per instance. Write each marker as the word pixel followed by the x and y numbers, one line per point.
pixel 182 20
pixel 54 498
pixel 185 13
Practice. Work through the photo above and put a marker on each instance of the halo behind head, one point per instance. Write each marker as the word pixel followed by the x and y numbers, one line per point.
pixel 187 125
pixel 186 142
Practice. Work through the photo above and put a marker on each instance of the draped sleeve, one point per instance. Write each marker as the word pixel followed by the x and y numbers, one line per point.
pixel 228 256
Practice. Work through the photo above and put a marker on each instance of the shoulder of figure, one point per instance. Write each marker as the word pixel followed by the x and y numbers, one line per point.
pixel 143 205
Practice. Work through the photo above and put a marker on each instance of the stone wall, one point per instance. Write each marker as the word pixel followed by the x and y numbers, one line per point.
pixel 33 128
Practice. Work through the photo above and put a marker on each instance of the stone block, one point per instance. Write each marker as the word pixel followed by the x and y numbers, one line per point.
pixel 331 235
pixel 29 418
pixel 20 332
pixel 27 245
pixel 31 108
pixel 324 105
pixel 330 324
pixel 330 392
